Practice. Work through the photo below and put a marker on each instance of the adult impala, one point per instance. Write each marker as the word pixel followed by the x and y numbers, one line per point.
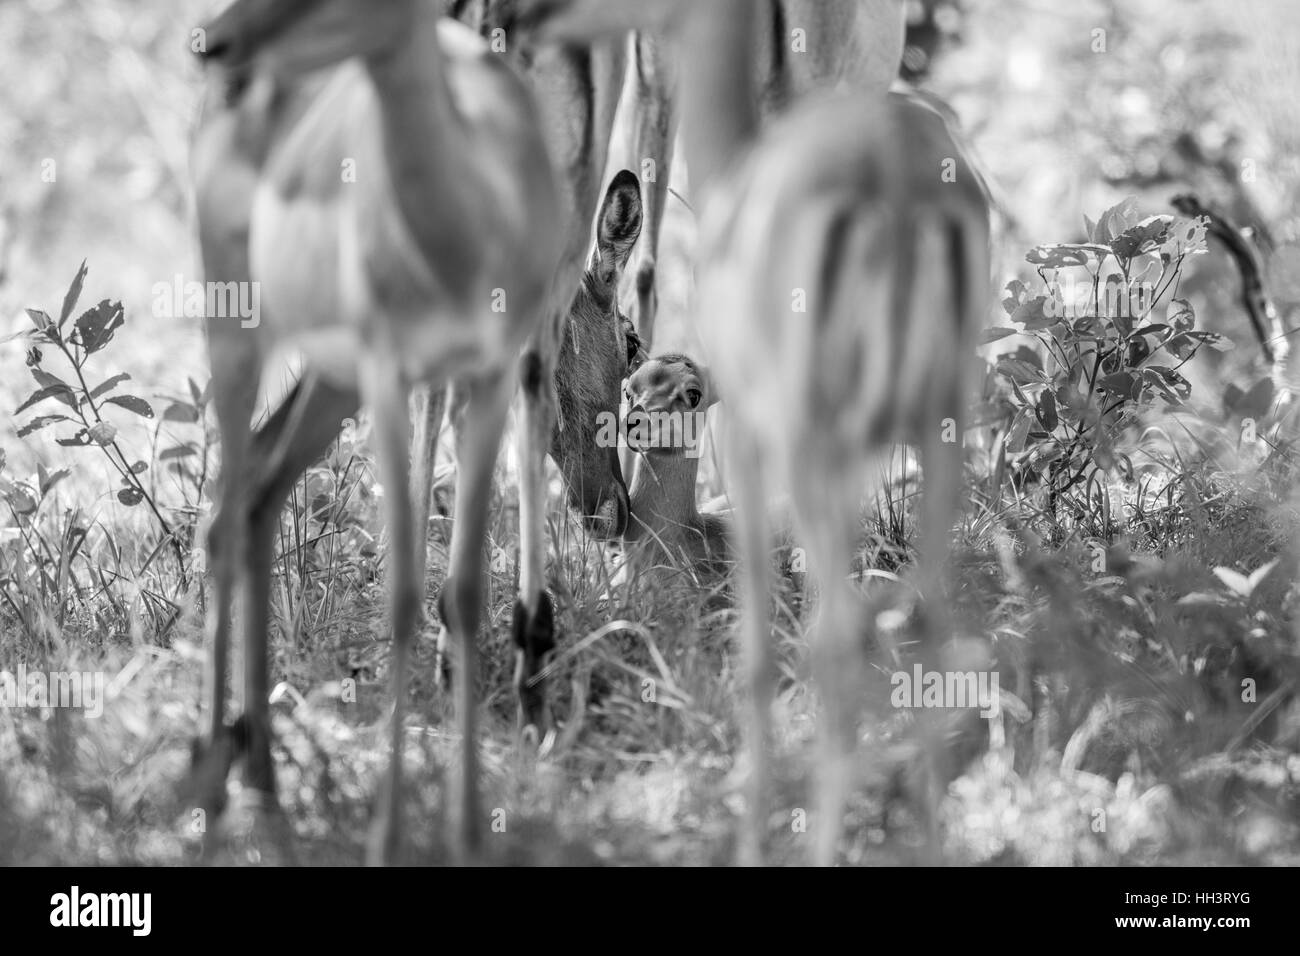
pixel 435 266
pixel 843 269
pixel 575 361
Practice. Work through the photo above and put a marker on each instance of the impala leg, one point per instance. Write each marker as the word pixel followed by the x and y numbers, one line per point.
pixel 751 529
pixel 821 504
pixel 454 400
pixel 429 406
pixel 384 393
pixel 479 437
pixel 941 467
pixel 223 201
pixel 534 616
pixel 236 361
pixel 295 436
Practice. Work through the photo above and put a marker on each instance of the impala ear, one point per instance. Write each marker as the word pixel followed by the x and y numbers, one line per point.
pixel 617 227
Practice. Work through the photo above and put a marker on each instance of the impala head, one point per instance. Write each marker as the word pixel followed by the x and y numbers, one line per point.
pixel 667 399
pixel 598 348
pixel 289 37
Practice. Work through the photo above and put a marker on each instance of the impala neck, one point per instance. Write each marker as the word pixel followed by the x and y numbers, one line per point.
pixel 720 113
pixel 663 496
pixel 425 147
pixel 414 64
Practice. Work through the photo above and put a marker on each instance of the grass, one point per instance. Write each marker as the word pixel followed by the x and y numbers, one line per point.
pixel 1125 738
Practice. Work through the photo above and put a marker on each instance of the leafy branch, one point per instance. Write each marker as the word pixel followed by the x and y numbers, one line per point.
pixel 84 405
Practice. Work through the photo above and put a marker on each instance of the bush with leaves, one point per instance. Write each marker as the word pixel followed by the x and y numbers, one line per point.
pixel 1114 336
pixel 85 407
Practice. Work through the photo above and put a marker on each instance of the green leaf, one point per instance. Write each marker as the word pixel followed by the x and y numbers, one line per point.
pixel 139 468
pixel 1180 346
pixel 109 384
pixel 1254 403
pixel 1181 315
pixel 130 496
pixel 181 412
pixel 1085 326
pixel 1047 410
pixel 66 394
pixel 1146 236
pixel 1016 292
pixel 177 451
pixel 102 433
pixel 1122 384
pixel 1019 371
pixel 96 326
pixel 131 404
pixel 73 294
pixel 1213 339
pixel 41 421
pixel 41 394
pixel 40 319
pixel 1018 432
pixel 1021 397
pixel 82 437
pixel 1186 237
pixel 1118 218
pixel 1062 255
pixel 1036 315
pixel 1173 386
pixel 48 481
pixel 22 498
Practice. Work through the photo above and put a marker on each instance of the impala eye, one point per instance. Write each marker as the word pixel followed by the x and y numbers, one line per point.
pixel 693 396
pixel 633 347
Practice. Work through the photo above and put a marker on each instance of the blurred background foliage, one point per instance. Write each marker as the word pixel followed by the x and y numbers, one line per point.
pixel 1070 107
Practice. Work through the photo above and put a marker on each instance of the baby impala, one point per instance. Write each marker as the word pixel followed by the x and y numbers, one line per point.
pixel 667 401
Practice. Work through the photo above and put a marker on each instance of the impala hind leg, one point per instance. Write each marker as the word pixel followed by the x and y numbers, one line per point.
pixel 751 530
pixel 941 471
pixel 384 393
pixel 294 437
pixel 479 428
pixel 826 516
pixel 534 616
pixel 430 404
pixel 236 359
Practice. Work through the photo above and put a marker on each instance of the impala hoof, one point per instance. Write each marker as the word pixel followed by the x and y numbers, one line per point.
pixel 210 763
pixel 534 636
